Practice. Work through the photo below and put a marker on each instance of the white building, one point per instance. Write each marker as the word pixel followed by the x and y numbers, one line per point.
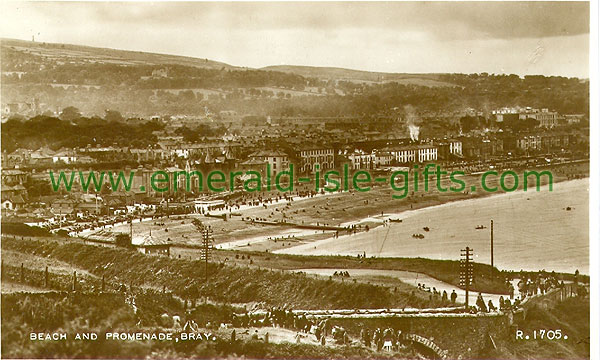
pixel 547 118
pixel 278 160
pixel 374 160
pixel 65 156
pixel 311 156
pixel 417 153
pixel 455 147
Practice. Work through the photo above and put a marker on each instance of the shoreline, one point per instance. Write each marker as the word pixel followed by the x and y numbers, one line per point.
pixel 350 244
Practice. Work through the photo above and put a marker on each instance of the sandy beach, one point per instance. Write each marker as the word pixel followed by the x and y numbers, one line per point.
pixel 532 231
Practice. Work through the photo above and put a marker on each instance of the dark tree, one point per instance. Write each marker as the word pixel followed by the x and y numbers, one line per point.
pixel 112 115
pixel 70 113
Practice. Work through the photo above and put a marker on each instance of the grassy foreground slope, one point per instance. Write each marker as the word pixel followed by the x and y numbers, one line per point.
pixel 571 316
pixel 112 312
pixel 232 284
pixel 101 313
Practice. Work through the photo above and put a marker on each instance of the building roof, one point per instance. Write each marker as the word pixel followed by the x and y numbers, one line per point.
pixel 115 202
pixel 148 241
pixel 410 147
pixel 64 152
pixel 88 205
pixel 268 153
pixel 383 153
pixel 10 172
pixel 306 147
pixel 41 153
pixel 208 159
pixel 17 187
pixel 63 201
pixel 15 199
pixel 254 162
pixel 229 154
pixel 20 152
pixel 173 169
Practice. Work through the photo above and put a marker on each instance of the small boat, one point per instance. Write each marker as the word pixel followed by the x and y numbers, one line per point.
pixel 480 227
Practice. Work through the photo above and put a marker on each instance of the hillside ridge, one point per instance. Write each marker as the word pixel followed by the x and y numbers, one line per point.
pixel 133 57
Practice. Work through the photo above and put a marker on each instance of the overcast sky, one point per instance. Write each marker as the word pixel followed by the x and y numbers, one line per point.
pixel 550 38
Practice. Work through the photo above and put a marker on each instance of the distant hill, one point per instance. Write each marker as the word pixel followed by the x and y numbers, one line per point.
pixel 80 53
pixel 334 73
pixel 42 77
pixel 88 54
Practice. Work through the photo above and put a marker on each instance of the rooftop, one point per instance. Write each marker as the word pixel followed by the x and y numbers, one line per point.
pixel 268 153
pixel 148 241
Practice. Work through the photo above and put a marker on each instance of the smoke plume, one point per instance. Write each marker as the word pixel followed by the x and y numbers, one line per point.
pixel 414 132
pixel 411 121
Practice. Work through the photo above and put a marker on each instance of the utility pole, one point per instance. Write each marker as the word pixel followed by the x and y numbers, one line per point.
pixel 492 243
pixel 466 272
pixel 130 231
pixel 207 247
pixel 168 206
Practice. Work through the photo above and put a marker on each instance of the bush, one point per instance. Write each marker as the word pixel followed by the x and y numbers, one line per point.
pixel 21 229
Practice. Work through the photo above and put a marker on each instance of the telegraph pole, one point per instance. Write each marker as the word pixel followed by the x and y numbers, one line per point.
pixel 130 231
pixel 492 243
pixel 207 248
pixel 466 272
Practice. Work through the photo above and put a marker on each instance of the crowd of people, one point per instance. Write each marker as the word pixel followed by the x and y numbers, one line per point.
pixel 341 274
pixel 436 295
pixel 383 339
pixel 285 318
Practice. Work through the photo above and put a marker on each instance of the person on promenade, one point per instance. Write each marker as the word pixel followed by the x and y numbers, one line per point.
pixel 481 303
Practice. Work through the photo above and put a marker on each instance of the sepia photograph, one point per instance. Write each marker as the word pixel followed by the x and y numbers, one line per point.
pixel 299 180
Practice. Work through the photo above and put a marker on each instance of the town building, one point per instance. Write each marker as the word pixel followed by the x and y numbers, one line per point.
pixel 418 153
pixel 151 245
pixel 571 119
pixel 19 157
pixel 277 160
pixel 382 159
pixel 544 142
pixel 14 177
pixel 158 73
pixel 529 142
pixel 13 202
pixel 547 119
pixel 449 149
pixel 9 191
pixel 66 156
pixel 361 161
pixel 482 147
pixel 312 156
